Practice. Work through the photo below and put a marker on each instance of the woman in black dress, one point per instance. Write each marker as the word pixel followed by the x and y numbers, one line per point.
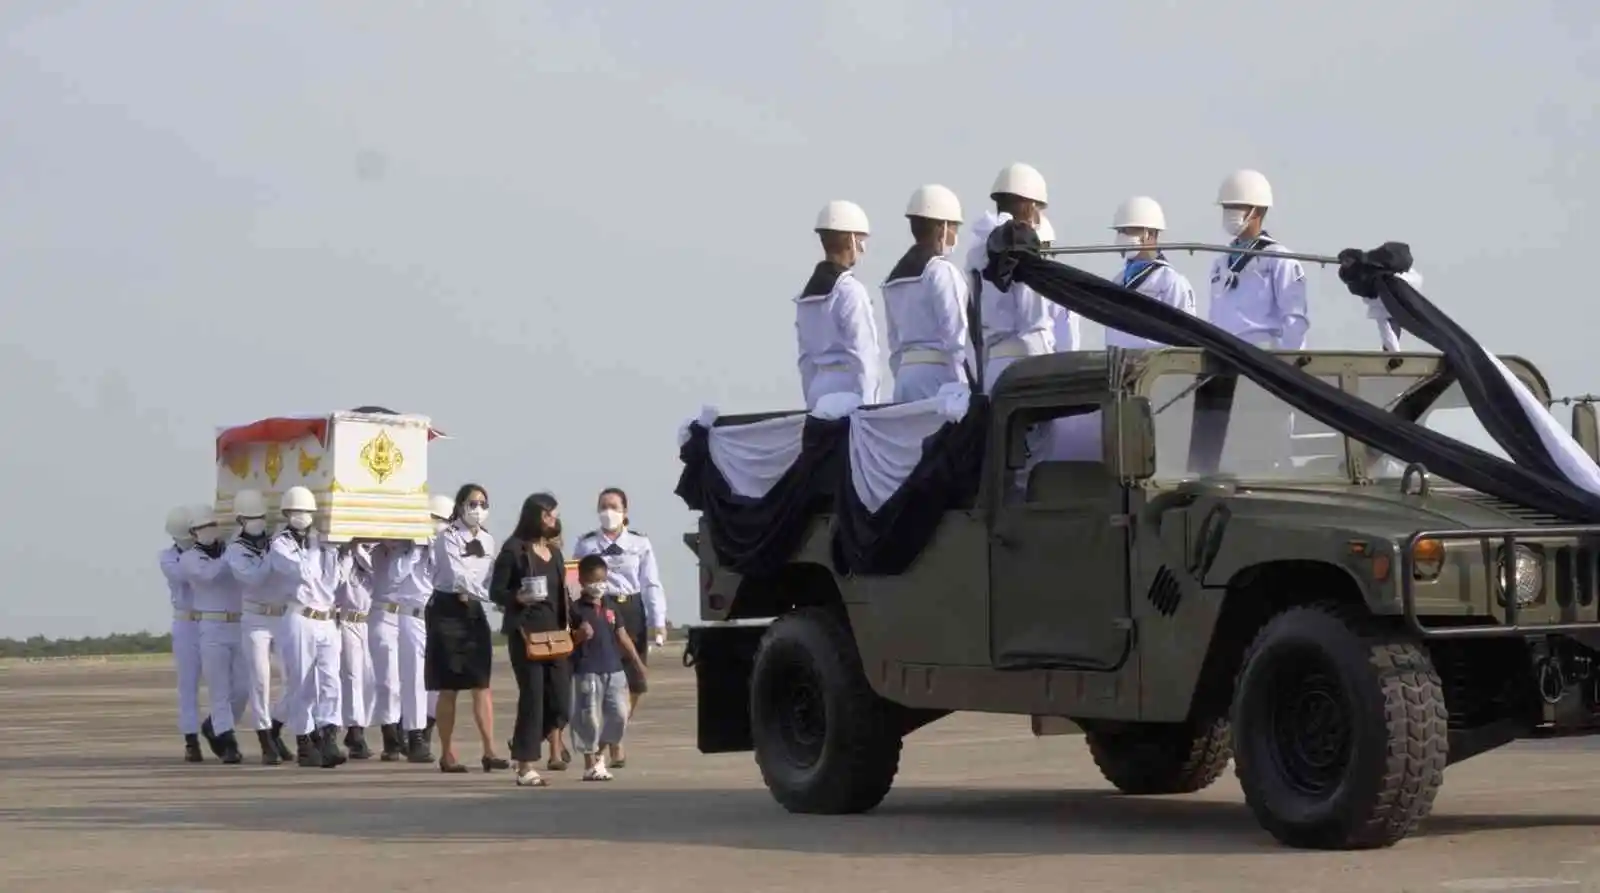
pixel 459 652
pixel 529 583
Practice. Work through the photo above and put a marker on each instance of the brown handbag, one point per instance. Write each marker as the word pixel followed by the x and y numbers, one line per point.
pixel 555 644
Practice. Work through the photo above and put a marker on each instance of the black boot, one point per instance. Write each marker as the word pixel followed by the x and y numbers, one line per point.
pixel 331 754
pixel 229 744
pixel 355 738
pixel 310 756
pixel 191 749
pixel 393 745
pixel 284 753
pixel 210 735
pixel 427 732
pixel 417 747
pixel 269 749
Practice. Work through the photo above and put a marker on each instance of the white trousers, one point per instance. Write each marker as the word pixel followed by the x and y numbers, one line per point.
pixel 186 657
pixel 227 672
pixel 262 637
pixel 355 674
pixel 398 643
pixel 311 671
pixel 920 381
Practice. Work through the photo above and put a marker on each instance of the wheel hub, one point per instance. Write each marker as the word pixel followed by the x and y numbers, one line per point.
pixel 1311 730
pixel 800 715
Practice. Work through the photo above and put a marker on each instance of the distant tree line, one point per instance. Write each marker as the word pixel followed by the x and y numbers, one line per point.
pixel 89 646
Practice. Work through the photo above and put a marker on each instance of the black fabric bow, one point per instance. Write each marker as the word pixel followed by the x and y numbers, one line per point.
pixel 474 549
pixel 611 551
pixel 1360 270
pixel 1008 244
pixel 212 549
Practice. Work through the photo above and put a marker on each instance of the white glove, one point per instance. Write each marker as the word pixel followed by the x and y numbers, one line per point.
pixel 661 637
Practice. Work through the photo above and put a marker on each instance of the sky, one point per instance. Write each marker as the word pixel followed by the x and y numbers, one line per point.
pixel 560 228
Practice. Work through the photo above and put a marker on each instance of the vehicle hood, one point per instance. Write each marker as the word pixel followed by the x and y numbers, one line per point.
pixel 1381 510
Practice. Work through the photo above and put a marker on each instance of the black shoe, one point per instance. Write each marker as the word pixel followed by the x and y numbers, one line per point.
pixel 331 754
pixel 393 745
pixel 310 756
pixel 492 763
pixel 355 739
pixel 284 753
pixel 269 749
pixel 191 749
pixel 417 750
pixel 452 768
pixel 229 743
pixel 210 735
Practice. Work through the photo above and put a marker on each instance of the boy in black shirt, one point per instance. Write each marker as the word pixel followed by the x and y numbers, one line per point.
pixel 600 703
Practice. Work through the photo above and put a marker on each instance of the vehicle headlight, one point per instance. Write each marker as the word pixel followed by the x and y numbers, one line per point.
pixel 1524 577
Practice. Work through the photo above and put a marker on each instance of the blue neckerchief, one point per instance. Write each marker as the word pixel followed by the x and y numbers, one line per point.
pixel 1237 262
pixel 1138 269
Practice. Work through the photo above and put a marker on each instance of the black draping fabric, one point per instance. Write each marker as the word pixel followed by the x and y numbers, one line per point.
pixel 756 537
pixel 946 477
pixel 1014 256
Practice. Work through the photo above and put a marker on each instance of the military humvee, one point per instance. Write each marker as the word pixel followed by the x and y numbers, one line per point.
pixel 1227 582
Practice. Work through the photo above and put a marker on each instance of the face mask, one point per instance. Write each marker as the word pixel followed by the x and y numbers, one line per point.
pixel 206 536
pixel 255 526
pixel 610 519
pixel 299 521
pixel 439 525
pixel 953 236
pixel 861 247
pixel 474 517
pixel 1129 239
pixel 1233 220
pixel 593 590
pixel 183 542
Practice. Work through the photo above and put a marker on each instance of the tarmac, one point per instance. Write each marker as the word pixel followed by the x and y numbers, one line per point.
pixel 94 797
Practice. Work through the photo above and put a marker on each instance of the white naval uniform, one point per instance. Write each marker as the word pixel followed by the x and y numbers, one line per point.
pixel 354 602
pixel 185 641
pixel 1264 302
pixel 1154 279
pixel 925 307
pixel 310 572
pixel 837 336
pixel 631 570
pixel 1017 322
pixel 261 627
pixel 398 635
pixel 219 605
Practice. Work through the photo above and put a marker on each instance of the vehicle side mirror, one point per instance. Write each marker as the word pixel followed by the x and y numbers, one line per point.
pixel 1586 429
pixel 1128 438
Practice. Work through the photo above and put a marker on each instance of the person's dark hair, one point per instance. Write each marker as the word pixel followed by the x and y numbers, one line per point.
pixel 530 524
pixel 589 563
pixel 622 496
pixel 464 494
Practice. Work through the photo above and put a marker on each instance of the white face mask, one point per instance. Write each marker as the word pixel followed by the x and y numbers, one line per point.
pixel 1130 239
pixel 953 236
pixel 298 520
pixel 610 519
pixel 254 526
pixel 593 590
pixel 206 536
pixel 439 525
pixel 474 518
pixel 1234 220
pixel 861 246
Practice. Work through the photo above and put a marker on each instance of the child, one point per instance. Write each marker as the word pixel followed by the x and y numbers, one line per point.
pixel 600 687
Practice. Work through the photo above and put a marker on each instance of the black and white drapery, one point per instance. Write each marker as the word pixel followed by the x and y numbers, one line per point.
pixel 1548 472
pixel 886 474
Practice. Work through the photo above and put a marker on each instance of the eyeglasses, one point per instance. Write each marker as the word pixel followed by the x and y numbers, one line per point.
pixel 478 504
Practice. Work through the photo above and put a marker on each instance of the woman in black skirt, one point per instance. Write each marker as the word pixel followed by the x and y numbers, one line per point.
pixel 460 647
pixel 529 583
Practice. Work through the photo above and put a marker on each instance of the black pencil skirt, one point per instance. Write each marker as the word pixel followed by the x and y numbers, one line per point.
pixel 459 652
pixel 630 612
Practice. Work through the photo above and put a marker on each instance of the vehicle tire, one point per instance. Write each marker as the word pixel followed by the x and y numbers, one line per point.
pixel 1162 758
pixel 825 742
pixel 1340 733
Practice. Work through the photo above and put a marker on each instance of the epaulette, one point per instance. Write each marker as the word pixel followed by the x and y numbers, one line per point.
pixel 637 532
pixel 591 533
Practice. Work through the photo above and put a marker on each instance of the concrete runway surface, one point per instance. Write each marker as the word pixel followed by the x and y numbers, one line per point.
pixel 94 798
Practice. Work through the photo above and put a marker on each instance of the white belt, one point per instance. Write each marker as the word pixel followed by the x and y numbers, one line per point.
pixel 1011 348
pixel 261 610
pixel 218 616
pixel 406 610
pixel 179 614
pixel 924 356
pixel 833 367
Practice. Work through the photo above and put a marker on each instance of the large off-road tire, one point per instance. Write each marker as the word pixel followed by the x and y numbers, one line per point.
pixel 825 742
pixel 1161 758
pixel 1340 733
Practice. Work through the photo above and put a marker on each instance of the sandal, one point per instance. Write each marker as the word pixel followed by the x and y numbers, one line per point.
pixel 531 779
pixel 597 773
pixel 556 765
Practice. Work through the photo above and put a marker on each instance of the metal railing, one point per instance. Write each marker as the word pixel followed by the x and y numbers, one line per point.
pixel 1188 248
pixel 1582 576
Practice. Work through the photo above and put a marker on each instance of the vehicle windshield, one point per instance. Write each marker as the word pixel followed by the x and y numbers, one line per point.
pixel 1218 424
pixel 1449 414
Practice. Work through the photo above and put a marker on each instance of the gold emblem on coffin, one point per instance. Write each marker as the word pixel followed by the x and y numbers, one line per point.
pixel 273 465
pixel 381 457
pixel 238 462
pixel 308 462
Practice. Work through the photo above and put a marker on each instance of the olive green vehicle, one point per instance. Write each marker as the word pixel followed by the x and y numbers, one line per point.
pixel 1226 583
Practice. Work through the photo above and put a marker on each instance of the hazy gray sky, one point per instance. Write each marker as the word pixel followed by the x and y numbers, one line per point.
pixel 215 212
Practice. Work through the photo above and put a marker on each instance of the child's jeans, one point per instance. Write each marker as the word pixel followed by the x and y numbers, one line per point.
pixel 599 710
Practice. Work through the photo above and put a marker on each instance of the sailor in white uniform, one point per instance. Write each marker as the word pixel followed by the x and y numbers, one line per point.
pixel 925 300
pixel 1017 322
pixel 185 633
pixel 834 327
pixel 1261 299
pixel 310 572
pixel 353 603
pixel 218 606
pixel 1138 223
pixel 398 635
pixel 261 623
pixel 1064 323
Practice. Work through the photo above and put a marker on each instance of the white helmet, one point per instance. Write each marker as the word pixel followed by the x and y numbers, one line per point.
pixel 1023 181
pixel 299 499
pixel 934 202
pixel 1044 230
pixel 201 515
pixel 441 507
pixel 1245 187
pixel 1140 212
pixel 842 217
pixel 249 504
pixel 178 523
